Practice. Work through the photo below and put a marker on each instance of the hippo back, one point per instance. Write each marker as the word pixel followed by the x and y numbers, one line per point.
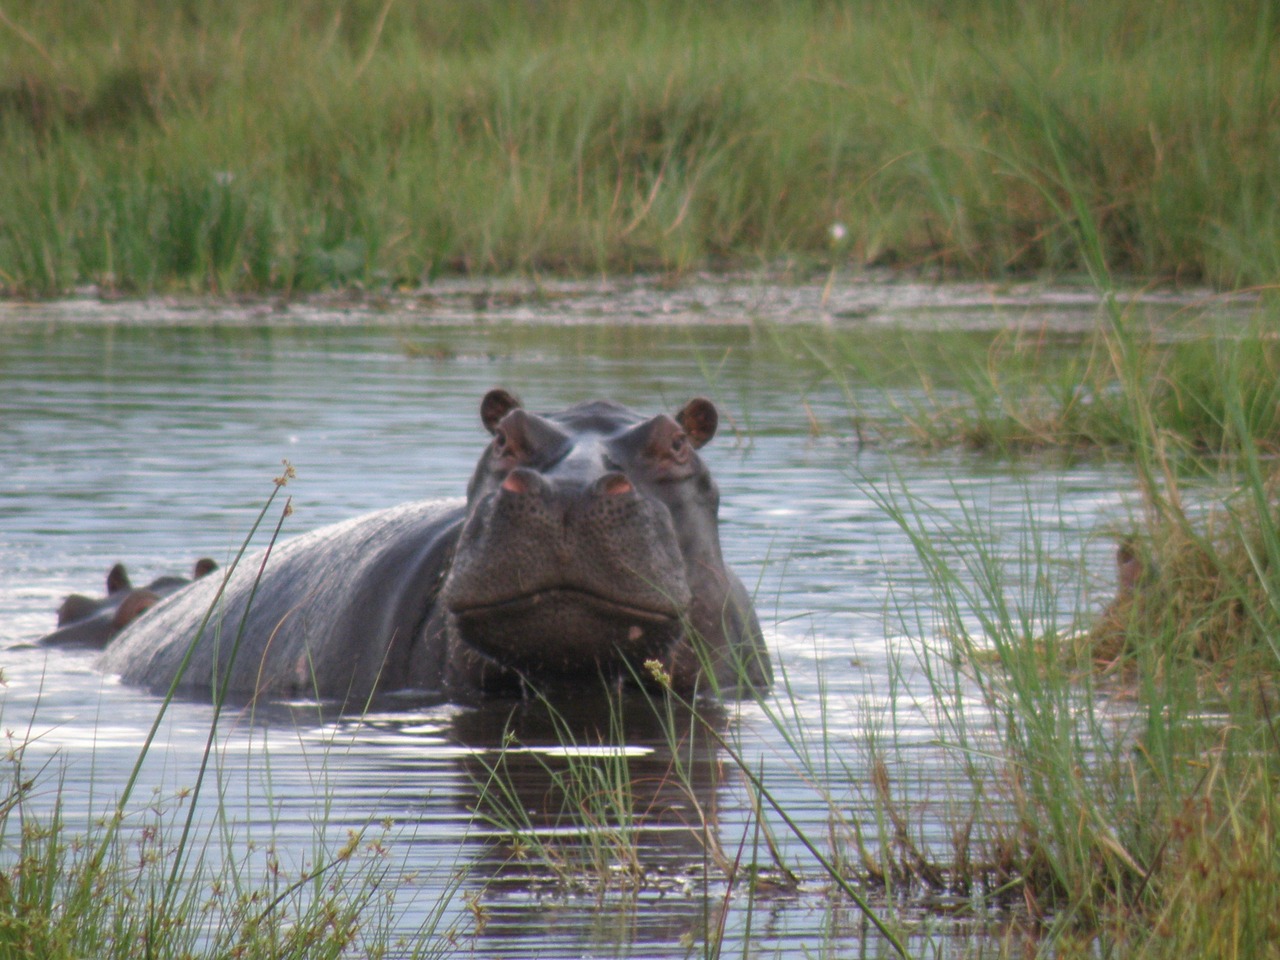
pixel 334 610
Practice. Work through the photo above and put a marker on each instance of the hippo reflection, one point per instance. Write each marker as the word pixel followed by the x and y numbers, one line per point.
pixel 619 791
pixel 587 546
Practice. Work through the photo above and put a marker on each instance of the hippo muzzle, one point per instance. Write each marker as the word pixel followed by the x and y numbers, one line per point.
pixel 564 566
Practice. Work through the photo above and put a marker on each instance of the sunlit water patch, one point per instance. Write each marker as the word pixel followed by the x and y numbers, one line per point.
pixel 150 434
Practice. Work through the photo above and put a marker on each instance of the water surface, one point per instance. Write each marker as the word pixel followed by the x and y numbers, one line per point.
pixel 150 434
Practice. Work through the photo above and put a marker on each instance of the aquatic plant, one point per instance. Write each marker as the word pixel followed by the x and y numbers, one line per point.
pixel 98 889
pixel 1209 387
pixel 1119 770
pixel 1106 790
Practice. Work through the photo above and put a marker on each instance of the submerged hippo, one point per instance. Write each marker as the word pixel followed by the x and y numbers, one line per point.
pixel 588 544
pixel 93 621
pixel 77 606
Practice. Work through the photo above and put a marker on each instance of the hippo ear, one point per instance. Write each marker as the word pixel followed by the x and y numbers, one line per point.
pixel 204 567
pixel 496 405
pixel 698 419
pixel 118 579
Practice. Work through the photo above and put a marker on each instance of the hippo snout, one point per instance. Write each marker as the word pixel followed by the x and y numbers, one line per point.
pixel 564 569
pixel 601 540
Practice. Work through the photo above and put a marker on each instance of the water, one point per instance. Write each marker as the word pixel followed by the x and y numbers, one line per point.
pixel 150 434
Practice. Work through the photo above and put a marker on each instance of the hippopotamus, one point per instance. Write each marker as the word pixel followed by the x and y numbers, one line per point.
pixel 587 548
pixel 77 606
pixel 93 621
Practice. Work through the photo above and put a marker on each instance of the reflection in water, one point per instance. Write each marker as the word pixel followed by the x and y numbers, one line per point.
pixel 611 783
pixel 610 800
pixel 153 442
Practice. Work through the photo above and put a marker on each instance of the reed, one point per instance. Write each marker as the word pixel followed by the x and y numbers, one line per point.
pixel 252 146
pixel 1120 768
pixel 1102 815
pixel 73 890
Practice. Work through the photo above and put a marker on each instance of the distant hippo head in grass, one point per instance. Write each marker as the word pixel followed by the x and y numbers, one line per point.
pixel 588 545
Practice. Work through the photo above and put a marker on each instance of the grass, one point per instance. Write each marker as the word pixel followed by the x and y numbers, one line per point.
pixel 254 146
pixel 1209 389
pixel 1131 808
pixel 95 890
pixel 584 830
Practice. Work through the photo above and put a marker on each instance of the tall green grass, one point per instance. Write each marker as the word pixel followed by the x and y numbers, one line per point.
pixel 1131 811
pixel 253 145
pixel 1207 389
pixel 72 889
pixel 1120 771
pixel 1112 776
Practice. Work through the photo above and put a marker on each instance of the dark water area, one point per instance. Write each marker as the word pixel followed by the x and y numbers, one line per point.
pixel 150 434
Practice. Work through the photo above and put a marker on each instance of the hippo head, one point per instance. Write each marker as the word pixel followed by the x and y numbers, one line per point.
pixel 587 535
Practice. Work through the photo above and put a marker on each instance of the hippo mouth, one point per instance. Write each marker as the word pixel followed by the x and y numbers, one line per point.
pixel 527 602
pixel 566 632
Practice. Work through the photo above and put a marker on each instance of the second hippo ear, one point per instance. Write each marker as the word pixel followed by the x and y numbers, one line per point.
pixel 496 405
pixel 698 419
pixel 118 579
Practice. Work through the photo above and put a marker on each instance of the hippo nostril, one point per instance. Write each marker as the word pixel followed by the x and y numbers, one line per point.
pixel 614 485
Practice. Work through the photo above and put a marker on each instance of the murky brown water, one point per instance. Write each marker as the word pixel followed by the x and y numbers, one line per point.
pixel 149 434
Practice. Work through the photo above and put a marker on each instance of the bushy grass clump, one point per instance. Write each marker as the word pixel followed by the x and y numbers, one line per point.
pixel 1206 588
pixel 1122 811
pixel 1192 390
pixel 253 145
pixel 1119 394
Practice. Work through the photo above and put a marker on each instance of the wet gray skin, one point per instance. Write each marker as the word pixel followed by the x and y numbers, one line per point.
pixel 587 546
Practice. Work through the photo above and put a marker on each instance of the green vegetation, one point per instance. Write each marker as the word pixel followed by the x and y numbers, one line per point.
pixel 255 145
pixel 1205 393
pixel 1119 794
pixel 72 890
pixel 1129 803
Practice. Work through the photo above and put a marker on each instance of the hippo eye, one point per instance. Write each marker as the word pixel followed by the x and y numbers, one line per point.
pixel 499 440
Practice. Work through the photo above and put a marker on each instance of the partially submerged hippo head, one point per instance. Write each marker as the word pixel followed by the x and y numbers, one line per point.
pixel 77 606
pixel 93 621
pixel 591 545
